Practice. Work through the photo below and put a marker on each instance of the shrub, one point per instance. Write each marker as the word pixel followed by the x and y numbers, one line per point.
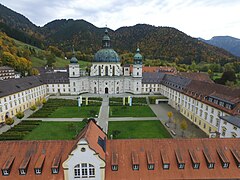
pixel 38 103
pixel 44 101
pixel 20 115
pixel 9 121
pixel 33 108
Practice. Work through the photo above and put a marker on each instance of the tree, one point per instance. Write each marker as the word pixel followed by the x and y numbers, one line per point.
pixel 183 126
pixel 33 108
pixel 50 57
pixel 20 115
pixel 34 72
pixel 44 101
pixel 170 115
pixel 227 76
pixel 9 121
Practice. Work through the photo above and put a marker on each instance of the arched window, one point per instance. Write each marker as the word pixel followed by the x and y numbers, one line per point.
pixel 73 73
pixel 113 73
pixel 99 70
pixel 106 70
pixel 84 170
pixel 77 171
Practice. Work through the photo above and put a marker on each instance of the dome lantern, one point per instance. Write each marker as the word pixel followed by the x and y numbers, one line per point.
pixel 138 57
pixel 106 40
pixel 106 54
pixel 73 60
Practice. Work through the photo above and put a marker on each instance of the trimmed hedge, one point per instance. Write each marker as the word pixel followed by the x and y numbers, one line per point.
pixel 136 101
pixel 19 131
pixel 53 104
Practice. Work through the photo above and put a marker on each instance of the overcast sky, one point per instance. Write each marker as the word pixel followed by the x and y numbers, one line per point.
pixel 197 18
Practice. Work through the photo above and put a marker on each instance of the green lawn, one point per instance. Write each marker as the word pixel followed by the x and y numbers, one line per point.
pixel 64 63
pixel 55 131
pixel 131 111
pixel 75 112
pixel 137 129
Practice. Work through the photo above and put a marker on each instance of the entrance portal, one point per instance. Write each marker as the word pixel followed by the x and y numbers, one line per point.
pixel 106 90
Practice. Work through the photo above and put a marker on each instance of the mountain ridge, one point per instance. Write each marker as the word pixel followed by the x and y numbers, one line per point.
pixel 155 42
pixel 229 43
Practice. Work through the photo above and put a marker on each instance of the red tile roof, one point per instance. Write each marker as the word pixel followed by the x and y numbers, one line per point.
pixel 164 69
pixel 33 154
pixel 199 90
pixel 91 133
pixel 196 76
pixel 166 148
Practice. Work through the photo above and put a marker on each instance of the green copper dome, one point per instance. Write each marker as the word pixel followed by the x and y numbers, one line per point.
pixel 73 60
pixel 107 54
pixel 138 57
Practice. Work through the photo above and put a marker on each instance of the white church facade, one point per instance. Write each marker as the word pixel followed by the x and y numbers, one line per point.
pixel 107 76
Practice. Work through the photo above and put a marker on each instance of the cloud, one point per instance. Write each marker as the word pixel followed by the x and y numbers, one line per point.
pixel 198 18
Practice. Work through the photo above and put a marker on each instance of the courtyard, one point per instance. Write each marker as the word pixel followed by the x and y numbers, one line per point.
pixel 142 120
pixel 137 130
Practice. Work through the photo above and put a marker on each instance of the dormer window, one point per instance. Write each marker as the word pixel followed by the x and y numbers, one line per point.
pixel 22 171
pixel 223 158
pixel 114 167
pixel 135 167
pixel 5 172
pixel 38 171
pixel 196 166
pixel 165 166
pixel 150 166
pixel 210 165
pixel 54 171
pixel 180 166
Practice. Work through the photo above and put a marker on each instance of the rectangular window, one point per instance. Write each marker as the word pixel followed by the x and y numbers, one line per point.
pixel 84 169
pixel 210 166
pixel 150 166
pixel 55 171
pixel 5 172
pixel 165 166
pixel 196 166
pixel 114 168
pixel 181 166
pixel 38 171
pixel 135 167
pixel 22 172
pixel 76 173
pixel 91 171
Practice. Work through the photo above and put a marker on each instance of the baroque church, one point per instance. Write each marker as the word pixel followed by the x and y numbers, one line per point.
pixel 107 76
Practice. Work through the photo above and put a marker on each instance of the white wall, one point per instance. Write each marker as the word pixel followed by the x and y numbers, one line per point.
pixel 83 154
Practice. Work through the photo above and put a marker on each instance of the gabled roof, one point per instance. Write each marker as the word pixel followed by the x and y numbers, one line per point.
pixel 6 68
pixel 55 78
pixel 95 137
pixel 152 77
pixel 234 120
pixel 196 76
pixel 169 149
pixel 12 86
pixel 33 154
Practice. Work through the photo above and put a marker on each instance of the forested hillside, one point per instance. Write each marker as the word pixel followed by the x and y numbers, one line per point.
pixel 163 43
pixel 11 55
